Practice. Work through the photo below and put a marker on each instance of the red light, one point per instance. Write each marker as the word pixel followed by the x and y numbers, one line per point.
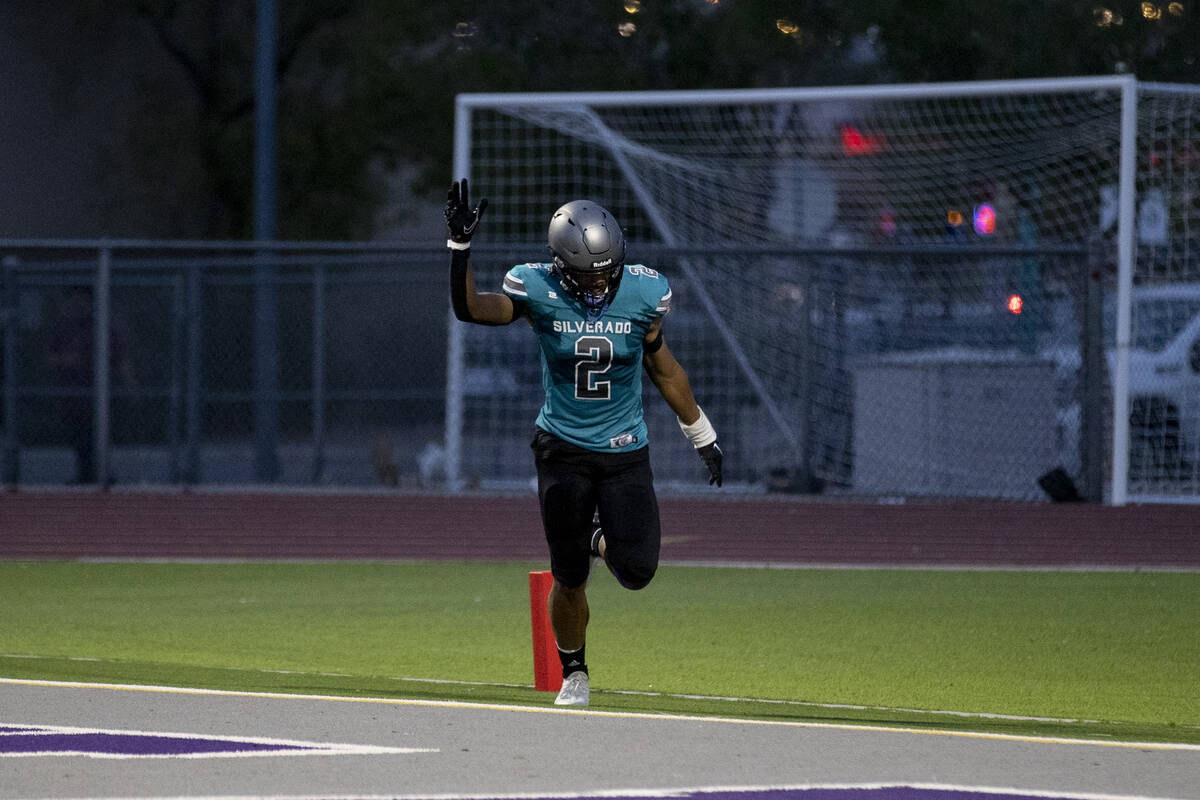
pixel 1015 304
pixel 856 143
pixel 985 219
pixel 887 224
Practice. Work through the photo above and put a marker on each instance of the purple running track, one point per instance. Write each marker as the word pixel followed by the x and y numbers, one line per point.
pixel 71 525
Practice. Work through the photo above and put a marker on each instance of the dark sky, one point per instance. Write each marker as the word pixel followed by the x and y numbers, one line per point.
pixel 49 137
pixel 42 160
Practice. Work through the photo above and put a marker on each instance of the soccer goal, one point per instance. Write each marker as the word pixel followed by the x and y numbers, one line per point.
pixel 939 290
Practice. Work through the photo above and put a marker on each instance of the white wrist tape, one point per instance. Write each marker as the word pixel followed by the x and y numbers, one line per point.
pixel 700 433
pixel 453 245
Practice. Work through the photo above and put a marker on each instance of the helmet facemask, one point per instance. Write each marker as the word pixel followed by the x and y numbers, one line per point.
pixel 593 288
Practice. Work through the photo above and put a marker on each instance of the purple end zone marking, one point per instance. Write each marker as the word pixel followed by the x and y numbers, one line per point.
pixel 882 793
pixel 873 793
pixel 878 793
pixel 132 744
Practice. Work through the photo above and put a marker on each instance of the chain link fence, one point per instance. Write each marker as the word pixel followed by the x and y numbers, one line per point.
pixel 900 371
pixel 314 366
pixel 344 385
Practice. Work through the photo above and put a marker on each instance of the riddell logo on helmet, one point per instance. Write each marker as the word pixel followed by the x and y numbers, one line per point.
pixel 603 263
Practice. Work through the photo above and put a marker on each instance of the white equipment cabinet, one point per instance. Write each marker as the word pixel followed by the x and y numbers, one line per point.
pixel 954 423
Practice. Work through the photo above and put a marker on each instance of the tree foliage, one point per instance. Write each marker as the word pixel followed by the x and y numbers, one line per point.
pixel 367 86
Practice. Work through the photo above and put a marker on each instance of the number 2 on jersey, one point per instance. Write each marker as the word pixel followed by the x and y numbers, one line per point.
pixel 595 357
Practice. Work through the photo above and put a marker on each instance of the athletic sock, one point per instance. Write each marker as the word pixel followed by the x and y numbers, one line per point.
pixel 572 661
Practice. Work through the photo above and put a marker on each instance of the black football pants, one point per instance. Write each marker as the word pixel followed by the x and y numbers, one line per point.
pixel 573 483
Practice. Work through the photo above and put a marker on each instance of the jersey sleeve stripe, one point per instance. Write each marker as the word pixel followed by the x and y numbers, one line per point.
pixel 514 285
pixel 664 305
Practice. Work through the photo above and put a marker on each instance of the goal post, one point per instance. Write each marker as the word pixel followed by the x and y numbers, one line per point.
pixel 879 290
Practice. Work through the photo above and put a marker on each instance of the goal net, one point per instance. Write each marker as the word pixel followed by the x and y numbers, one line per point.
pixel 877 290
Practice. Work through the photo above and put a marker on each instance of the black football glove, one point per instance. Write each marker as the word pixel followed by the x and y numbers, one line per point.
pixel 461 220
pixel 711 455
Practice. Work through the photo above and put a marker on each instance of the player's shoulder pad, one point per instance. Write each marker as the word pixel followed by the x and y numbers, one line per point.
pixel 653 286
pixel 524 278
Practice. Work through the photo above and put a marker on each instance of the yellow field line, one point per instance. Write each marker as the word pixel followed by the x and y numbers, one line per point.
pixel 616 714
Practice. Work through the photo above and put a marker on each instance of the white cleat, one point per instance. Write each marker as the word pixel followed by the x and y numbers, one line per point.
pixel 575 690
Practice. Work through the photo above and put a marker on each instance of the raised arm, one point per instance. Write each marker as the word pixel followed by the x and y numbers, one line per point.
pixel 470 305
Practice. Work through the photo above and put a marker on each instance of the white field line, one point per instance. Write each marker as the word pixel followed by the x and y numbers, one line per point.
pixel 718 698
pixel 459 704
pixel 692 792
pixel 981 715
pixel 703 563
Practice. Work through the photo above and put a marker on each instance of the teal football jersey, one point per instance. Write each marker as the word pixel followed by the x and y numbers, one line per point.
pixel 591 364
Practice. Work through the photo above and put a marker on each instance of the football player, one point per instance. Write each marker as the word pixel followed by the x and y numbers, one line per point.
pixel 598 323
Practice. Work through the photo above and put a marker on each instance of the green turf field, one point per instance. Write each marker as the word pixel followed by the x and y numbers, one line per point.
pixel 1091 654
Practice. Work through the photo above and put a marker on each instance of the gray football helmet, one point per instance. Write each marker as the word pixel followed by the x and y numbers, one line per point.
pixel 589 252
